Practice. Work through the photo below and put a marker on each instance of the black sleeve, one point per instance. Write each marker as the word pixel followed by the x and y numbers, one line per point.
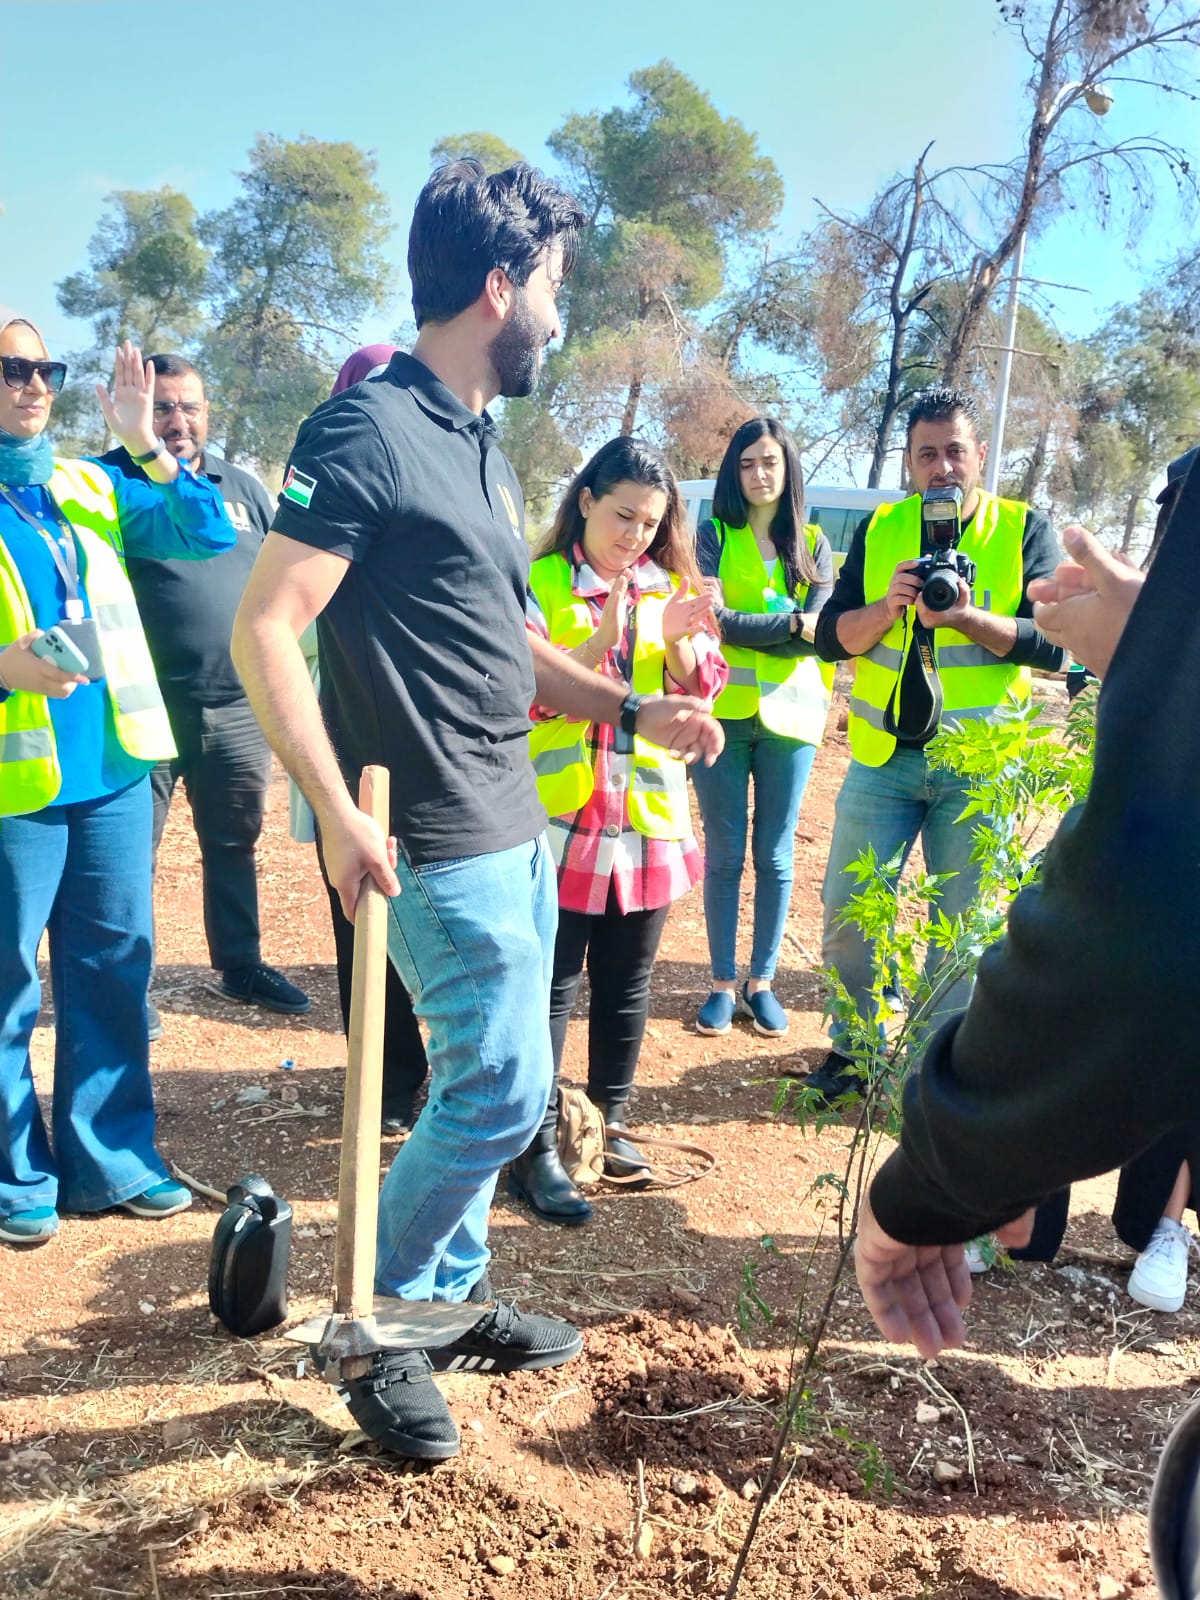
pixel 1039 557
pixel 751 630
pixel 1073 1055
pixel 341 482
pixel 848 595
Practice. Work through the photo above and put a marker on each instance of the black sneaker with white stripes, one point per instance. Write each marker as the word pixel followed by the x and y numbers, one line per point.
pixel 399 1405
pixel 507 1340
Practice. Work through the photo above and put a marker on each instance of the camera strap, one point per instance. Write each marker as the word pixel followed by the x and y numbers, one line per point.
pixel 920 684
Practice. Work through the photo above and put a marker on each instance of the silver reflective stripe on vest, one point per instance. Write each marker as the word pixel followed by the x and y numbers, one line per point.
pixel 117 616
pixel 135 697
pixel 555 759
pixel 27 744
pixel 966 655
pixel 743 677
pixel 651 777
pixel 972 714
pixel 868 713
pixel 885 655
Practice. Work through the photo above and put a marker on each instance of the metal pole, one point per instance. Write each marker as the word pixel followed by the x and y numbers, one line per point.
pixel 1008 342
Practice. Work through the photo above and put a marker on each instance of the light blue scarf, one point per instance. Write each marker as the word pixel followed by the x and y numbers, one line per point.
pixel 25 461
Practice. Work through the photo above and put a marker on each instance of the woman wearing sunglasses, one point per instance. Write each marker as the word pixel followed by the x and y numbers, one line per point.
pixel 80 729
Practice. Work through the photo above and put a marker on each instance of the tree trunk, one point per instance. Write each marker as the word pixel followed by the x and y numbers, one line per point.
pixel 1131 511
pixel 633 400
pixel 900 311
pixel 1036 464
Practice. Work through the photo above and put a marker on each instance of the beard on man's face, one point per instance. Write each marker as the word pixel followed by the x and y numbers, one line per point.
pixel 516 351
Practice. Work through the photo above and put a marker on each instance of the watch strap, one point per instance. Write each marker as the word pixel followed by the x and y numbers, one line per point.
pixel 151 455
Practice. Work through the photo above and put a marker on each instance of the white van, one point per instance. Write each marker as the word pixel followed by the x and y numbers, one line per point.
pixel 837 512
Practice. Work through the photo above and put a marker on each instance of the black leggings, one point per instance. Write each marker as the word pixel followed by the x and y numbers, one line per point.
pixel 619 949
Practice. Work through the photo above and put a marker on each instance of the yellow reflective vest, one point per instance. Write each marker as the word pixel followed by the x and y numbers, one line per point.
pixel 791 694
pixel 30 775
pixel 974 681
pixel 562 760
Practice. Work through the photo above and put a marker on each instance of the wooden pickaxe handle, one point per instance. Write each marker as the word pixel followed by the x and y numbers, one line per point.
pixel 358 1176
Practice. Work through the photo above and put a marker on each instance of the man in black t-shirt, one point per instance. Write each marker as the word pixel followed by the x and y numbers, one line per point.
pixel 187 610
pixel 401 528
pixel 917 668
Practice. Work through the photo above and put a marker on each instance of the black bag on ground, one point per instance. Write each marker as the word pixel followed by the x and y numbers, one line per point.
pixel 247 1270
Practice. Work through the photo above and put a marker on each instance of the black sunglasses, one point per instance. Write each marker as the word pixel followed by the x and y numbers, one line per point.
pixel 19 371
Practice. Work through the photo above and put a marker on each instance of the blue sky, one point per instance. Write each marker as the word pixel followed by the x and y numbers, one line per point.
pixel 136 94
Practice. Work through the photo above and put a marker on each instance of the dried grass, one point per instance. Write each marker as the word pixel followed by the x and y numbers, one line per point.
pixel 273 1448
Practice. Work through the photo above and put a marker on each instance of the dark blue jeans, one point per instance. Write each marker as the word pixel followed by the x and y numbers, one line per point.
pixel 81 873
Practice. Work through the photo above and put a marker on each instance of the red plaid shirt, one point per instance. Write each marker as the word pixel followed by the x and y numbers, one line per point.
pixel 597 846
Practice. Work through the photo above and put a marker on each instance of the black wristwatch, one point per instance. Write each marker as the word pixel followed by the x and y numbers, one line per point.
pixel 626 725
pixel 151 455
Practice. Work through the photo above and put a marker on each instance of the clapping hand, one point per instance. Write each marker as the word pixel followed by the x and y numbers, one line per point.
pixel 129 410
pixel 612 619
pixel 685 614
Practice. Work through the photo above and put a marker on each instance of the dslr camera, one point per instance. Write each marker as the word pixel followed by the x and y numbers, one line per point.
pixel 941 526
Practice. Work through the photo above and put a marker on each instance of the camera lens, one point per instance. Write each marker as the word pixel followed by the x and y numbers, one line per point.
pixel 940 591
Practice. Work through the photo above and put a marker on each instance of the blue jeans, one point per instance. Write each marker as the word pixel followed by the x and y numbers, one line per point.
pixel 887 807
pixel 473 940
pixel 82 872
pixel 780 769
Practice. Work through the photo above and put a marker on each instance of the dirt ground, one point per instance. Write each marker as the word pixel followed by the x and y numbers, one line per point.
pixel 144 1452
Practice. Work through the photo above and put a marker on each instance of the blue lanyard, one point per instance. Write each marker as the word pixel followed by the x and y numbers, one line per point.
pixel 62 550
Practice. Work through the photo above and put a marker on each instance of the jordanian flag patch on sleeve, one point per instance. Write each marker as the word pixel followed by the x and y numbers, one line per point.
pixel 298 488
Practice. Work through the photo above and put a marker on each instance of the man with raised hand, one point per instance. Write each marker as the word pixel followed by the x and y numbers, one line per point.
pixel 400 528
pixel 187 610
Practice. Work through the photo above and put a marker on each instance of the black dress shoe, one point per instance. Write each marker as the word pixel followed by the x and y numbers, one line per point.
pixel 398 1117
pixel 622 1158
pixel 539 1178
pixel 833 1079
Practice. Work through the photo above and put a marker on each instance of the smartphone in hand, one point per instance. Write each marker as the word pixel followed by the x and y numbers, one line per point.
pixel 55 647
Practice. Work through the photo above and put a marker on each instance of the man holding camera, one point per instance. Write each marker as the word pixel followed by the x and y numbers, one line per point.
pixel 931 604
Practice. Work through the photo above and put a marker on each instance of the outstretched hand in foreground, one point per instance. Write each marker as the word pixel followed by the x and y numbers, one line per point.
pixel 915 1293
pixel 918 1293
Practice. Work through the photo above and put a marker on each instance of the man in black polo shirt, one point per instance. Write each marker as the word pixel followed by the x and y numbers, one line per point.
pixel 223 759
pixel 400 527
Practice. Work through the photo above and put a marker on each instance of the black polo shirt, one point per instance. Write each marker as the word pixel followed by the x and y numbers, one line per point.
pixel 188 607
pixel 425 666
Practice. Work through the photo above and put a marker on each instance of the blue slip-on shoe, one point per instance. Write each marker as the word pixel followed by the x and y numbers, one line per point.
pixel 34 1226
pixel 767 1015
pixel 160 1200
pixel 717 1012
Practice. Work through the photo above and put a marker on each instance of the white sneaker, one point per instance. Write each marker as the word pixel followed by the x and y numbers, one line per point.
pixel 1159 1276
pixel 977 1261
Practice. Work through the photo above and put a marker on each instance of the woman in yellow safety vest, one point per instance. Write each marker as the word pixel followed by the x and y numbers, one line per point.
pixel 771 574
pixel 81 724
pixel 616 587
